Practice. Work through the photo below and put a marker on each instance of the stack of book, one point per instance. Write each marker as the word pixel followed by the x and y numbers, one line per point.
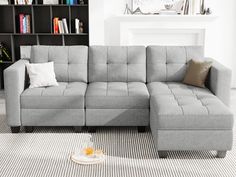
pixel 24 21
pixel 60 26
pixel 23 2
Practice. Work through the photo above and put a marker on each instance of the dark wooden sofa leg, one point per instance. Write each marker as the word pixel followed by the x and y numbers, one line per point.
pixel 29 129
pixel 92 129
pixel 15 129
pixel 77 129
pixel 141 129
pixel 162 154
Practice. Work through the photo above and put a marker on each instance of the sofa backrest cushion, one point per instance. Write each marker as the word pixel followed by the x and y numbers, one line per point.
pixel 70 62
pixel 169 63
pixel 117 64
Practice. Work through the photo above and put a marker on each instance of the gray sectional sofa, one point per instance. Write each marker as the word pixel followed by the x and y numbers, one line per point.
pixel 125 86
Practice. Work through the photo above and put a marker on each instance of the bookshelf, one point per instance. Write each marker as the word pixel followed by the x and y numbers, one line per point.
pixel 41 27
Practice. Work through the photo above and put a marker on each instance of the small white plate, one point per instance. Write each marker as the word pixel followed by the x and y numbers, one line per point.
pixel 82 159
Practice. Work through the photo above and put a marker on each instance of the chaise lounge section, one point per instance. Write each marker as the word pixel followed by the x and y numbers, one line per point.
pixel 185 117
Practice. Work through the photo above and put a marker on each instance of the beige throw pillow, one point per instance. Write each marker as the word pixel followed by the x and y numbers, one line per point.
pixel 197 73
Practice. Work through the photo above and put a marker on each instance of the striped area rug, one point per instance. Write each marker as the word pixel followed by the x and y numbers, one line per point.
pixel 129 154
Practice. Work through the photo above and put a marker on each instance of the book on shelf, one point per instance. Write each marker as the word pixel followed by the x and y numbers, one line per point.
pixel 55 25
pixel 21 17
pixel 23 2
pixel 28 29
pixel 24 21
pixel 65 26
pixel 77 31
pixel 61 28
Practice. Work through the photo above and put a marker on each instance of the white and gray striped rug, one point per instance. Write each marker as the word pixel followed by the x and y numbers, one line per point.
pixel 130 154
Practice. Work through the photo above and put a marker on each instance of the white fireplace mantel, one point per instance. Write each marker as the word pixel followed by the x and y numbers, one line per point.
pixel 162 29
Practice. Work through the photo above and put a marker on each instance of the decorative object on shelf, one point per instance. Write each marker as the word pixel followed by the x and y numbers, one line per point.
pixel 81 27
pixel 172 7
pixel 192 7
pixel 23 2
pixel 50 2
pixel 138 11
pixel 145 6
pixel 4 2
pixel 81 2
pixel 208 11
pixel 4 53
pixel 202 7
pixel 169 4
pixel 127 10
pixel 178 6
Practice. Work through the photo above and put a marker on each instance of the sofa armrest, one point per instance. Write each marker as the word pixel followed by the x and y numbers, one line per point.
pixel 220 81
pixel 14 83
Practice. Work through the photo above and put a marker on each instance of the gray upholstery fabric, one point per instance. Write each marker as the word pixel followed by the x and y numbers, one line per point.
pixel 53 117
pixel 206 140
pixel 14 82
pixel 179 106
pixel 70 62
pixel 117 95
pixel 117 117
pixel 65 96
pixel 220 81
pixel 169 63
pixel 117 64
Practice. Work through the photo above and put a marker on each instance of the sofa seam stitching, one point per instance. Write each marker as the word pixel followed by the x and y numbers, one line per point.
pixel 107 64
pixel 127 57
pixel 166 65
pixel 208 112
pixel 176 99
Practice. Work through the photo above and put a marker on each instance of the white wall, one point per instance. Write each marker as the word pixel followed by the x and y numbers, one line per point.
pixel 220 44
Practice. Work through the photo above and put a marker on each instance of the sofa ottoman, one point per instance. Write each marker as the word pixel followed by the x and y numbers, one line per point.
pixel 188 118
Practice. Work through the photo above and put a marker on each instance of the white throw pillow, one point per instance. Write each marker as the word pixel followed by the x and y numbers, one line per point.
pixel 41 75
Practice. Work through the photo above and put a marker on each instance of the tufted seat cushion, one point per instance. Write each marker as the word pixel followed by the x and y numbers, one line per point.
pixel 117 95
pixel 65 96
pixel 178 106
